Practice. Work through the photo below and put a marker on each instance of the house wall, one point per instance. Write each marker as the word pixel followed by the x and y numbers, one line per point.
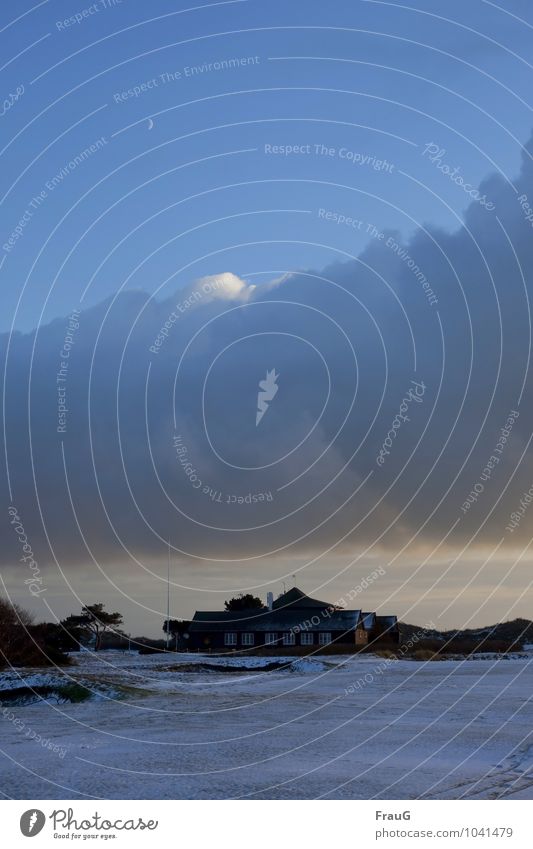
pixel 379 638
pixel 340 641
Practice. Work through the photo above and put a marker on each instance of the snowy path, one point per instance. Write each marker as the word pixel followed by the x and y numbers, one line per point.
pixel 335 728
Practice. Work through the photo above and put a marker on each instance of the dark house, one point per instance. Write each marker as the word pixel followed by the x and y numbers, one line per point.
pixel 386 631
pixel 382 631
pixel 294 622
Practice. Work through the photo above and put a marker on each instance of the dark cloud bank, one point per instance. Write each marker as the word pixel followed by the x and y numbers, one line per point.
pixel 347 343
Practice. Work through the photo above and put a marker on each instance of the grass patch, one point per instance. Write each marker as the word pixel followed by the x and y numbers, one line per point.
pixel 60 694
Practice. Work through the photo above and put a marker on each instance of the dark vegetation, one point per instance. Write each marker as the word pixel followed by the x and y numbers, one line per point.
pixel 93 622
pixel 24 643
pixel 430 644
pixel 71 693
pixel 244 602
pixel 226 669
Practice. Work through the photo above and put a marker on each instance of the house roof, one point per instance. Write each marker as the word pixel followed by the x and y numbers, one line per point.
pixel 265 620
pixel 292 611
pixel 388 622
pixel 369 621
pixel 215 620
pixel 296 598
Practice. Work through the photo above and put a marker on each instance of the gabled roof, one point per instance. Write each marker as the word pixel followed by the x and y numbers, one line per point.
pixel 263 619
pixel 369 621
pixel 296 598
pixel 217 620
pixel 387 621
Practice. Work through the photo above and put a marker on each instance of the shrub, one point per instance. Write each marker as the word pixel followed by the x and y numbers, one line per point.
pixel 424 654
pixel 24 644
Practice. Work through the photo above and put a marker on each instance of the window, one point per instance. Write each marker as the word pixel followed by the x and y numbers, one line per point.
pixel 324 638
pixel 270 639
pixel 230 638
pixel 247 639
pixel 306 639
pixel 289 639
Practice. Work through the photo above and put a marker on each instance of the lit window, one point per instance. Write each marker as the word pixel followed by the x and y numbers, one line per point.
pixel 289 639
pixel 230 638
pixel 247 639
pixel 324 638
pixel 306 639
pixel 270 639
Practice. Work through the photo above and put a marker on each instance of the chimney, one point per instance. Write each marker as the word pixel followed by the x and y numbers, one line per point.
pixel 270 600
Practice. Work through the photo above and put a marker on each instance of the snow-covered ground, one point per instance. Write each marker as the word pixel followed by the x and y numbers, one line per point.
pixel 169 726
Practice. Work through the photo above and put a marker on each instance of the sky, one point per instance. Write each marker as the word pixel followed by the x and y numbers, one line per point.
pixel 325 209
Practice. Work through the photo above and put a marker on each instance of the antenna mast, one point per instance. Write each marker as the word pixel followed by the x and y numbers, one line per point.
pixel 168 597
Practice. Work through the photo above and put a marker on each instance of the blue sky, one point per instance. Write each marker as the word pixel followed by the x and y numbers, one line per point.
pixel 378 79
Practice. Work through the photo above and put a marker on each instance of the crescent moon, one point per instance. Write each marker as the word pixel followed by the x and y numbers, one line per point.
pixel 150 123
